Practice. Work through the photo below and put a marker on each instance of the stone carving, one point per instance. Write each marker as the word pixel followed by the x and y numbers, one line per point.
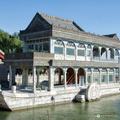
pixel 92 92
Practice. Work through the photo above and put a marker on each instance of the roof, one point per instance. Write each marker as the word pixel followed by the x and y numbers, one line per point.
pixel 60 22
pixel 112 36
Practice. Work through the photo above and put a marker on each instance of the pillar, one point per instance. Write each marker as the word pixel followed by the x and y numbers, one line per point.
pixel 51 46
pixel 25 77
pixel 107 49
pixel 10 76
pixel 85 52
pixel 107 76
pixel 76 81
pixel 65 83
pixel 37 78
pixel 13 77
pixel 92 75
pixel 59 75
pixel 100 75
pixel 76 52
pixel 86 82
pixel 100 53
pixel 51 79
pixel 114 76
pixel 92 53
pixel 42 47
pixel 34 79
pixel 114 55
pixel 64 52
pixel 25 47
pixel 34 47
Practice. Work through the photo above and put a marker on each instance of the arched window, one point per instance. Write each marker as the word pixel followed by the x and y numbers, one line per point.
pixel 89 50
pixel 89 75
pixel 70 49
pixel 104 75
pixel 95 51
pixel 110 53
pixel 70 76
pixel 58 47
pixel 89 46
pixel 95 75
pixel 103 53
pixel 58 77
pixel 111 76
pixel 81 50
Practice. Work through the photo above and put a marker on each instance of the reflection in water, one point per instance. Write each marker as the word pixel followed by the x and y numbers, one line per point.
pixel 108 108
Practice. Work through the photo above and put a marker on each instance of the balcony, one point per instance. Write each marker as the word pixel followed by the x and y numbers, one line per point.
pixel 105 59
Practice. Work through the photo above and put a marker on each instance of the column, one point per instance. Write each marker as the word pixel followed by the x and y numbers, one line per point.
pixel 34 80
pixel 65 83
pixel 42 47
pixel 37 78
pixel 51 46
pixel 100 53
pixel 108 76
pixel 76 81
pixel 92 53
pixel 59 71
pixel 85 52
pixel 25 77
pixel 13 77
pixel 114 55
pixel 92 75
pixel 34 47
pixel 100 69
pixel 86 82
pixel 51 79
pixel 65 51
pixel 10 76
pixel 107 49
pixel 76 52
pixel 25 49
pixel 114 76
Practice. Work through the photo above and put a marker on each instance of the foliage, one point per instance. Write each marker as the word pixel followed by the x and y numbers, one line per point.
pixel 10 43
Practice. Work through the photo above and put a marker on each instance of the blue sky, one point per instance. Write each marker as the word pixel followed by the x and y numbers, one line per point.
pixel 95 16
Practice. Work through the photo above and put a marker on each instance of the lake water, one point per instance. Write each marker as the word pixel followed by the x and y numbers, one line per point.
pixel 105 109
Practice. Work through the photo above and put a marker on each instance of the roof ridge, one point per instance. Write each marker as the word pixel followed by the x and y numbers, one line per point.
pixel 56 18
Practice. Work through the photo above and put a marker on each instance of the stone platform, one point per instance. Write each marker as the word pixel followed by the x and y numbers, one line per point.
pixel 23 99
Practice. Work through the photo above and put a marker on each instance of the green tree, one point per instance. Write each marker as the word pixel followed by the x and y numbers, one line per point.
pixel 10 43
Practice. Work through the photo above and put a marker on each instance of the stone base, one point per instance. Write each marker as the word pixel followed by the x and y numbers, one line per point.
pixel 80 98
pixel 24 100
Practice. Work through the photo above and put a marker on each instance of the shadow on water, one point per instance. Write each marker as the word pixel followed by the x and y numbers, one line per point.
pixel 108 108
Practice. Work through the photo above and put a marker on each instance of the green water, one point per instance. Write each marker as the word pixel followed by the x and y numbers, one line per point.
pixel 108 108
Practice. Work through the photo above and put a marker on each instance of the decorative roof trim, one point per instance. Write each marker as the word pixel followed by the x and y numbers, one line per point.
pixel 55 18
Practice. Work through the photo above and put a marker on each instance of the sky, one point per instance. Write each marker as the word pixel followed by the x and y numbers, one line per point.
pixel 94 16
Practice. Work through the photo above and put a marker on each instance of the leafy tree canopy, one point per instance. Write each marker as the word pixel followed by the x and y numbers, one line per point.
pixel 10 43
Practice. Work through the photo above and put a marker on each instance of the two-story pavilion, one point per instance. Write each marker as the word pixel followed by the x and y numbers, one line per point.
pixel 78 58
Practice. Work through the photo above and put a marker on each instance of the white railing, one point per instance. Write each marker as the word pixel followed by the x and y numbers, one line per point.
pixel 105 59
